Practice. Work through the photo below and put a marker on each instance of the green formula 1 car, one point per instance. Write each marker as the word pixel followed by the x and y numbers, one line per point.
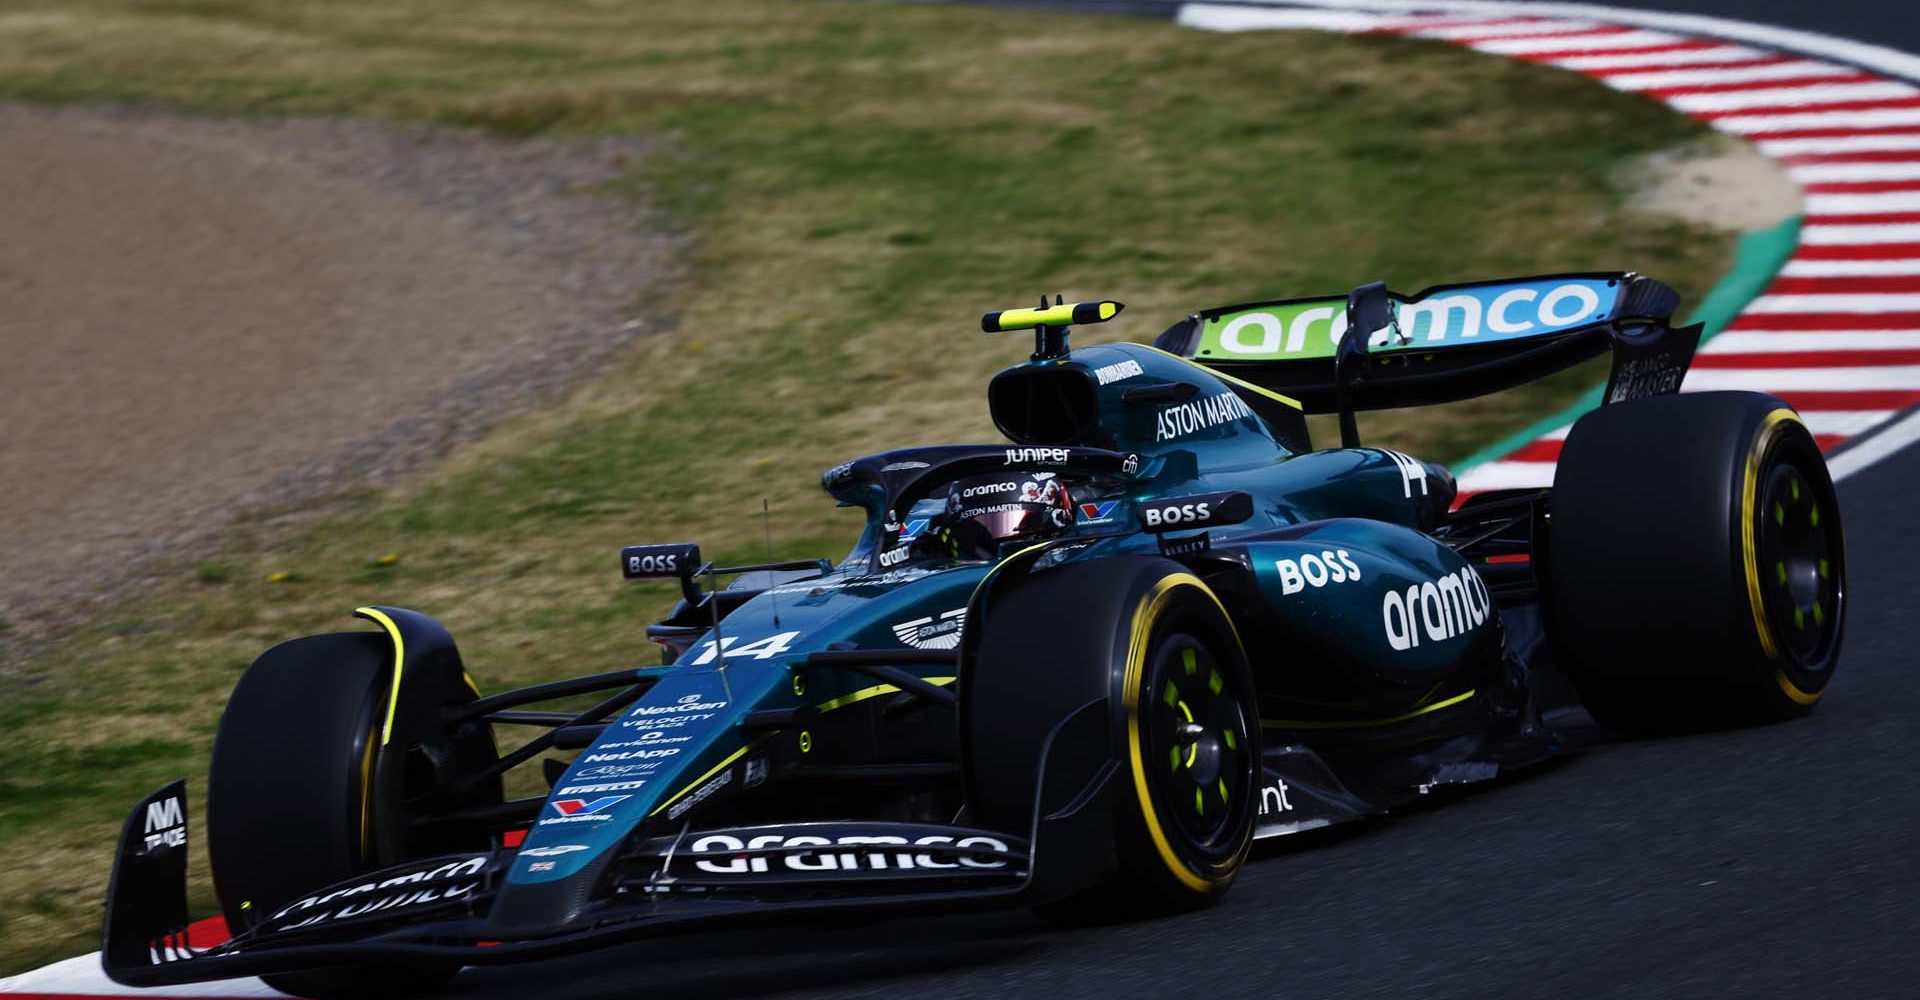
pixel 1078 671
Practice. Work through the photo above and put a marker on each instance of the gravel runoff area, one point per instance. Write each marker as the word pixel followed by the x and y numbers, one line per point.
pixel 197 316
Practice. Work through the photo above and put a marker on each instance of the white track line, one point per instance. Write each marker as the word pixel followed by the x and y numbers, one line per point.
pixel 1804 379
pixel 1662 79
pixel 1817 173
pixel 1228 17
pixel 1874 203
pixel 1443 21
pixel 1520 29
pixel 1847 422
pixel 1849 268
pixel 1806 122
pixel 1788 341
pixel 1784 97
pixel 1823 235
pixel 1619 41
pixel 1723 54
pixel 82 977
pixel 1237 18
pixel 1882 445
pixel 1842 145
pixel 1862 302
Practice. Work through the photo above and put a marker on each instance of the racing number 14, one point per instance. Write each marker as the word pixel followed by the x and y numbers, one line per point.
pixel 760 649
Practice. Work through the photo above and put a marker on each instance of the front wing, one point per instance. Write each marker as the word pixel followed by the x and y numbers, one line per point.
pixel 439 909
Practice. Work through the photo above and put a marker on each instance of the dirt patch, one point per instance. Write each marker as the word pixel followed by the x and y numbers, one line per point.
pixel 1719 181
pixel 196 316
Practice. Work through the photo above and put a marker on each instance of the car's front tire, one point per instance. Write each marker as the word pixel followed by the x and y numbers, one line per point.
pixel 1156 641
pixel 294 803
pixel 1696 571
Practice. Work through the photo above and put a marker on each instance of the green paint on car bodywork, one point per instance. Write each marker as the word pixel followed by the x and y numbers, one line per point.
pixel 1347 523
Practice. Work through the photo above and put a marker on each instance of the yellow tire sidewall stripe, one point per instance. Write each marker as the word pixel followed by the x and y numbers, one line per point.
pixel 1144 616
pixel 399 664
pixel 366 799
pixel 1793 692
pixel 1750 561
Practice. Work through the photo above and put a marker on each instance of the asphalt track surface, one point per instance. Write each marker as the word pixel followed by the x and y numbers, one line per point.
pixel 1774 862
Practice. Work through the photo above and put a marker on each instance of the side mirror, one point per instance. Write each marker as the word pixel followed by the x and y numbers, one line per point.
pixel 658 562
pixel 1369 311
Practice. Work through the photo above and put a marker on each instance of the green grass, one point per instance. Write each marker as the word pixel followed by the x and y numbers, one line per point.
pixel 858 183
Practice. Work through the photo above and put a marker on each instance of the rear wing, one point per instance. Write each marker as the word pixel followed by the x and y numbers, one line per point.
pixel 1450 342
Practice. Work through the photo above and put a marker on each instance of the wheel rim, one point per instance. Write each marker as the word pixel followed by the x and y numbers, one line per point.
pixel 1799 565
pixel 1197 743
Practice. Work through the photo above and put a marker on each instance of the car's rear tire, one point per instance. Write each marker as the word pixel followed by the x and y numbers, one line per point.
pixel 293 804
pixel 1155 640
pixel 1696 574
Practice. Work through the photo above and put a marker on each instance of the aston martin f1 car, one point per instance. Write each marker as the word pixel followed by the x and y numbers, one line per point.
pixel 1079 671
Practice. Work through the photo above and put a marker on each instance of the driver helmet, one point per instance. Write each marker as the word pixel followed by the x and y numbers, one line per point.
pixel 985 511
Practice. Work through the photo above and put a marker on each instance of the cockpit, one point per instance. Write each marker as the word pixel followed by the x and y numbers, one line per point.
pixel 968 502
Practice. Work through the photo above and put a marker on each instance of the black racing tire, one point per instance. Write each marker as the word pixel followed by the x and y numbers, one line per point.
pixel 1153 639
pixel 1696 571
pixel 293 804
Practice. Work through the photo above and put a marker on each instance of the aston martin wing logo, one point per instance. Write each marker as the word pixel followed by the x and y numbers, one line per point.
pixel 933 633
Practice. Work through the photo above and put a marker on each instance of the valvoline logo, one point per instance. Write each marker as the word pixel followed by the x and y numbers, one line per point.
pixel 1093 513
pixel 583 807
pixel 915 527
